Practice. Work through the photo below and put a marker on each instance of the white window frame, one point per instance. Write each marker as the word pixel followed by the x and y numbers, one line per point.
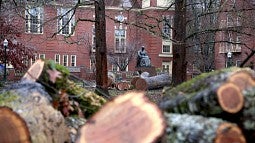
pixel 65 60
pixel 114 66
pixel 120 34
pixel 167 64
pixel 33 59
pixel 93 47
pixel 166 26
pixel 65 14
pixel 167 43
pixel 57 58
pixel 73 61
pixel 164 3
pixel 146 3
pixel 92 65
pixel 34 20
pixel 42 56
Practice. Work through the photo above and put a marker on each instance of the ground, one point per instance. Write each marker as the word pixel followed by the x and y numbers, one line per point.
pixel 153 95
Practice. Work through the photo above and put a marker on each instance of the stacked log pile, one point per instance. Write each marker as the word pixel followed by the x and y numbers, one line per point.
pixel 34 109
pixel 216 107
pixel 227 95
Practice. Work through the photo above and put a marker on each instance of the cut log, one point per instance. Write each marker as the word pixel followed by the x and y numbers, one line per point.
pixel 197 129
pixel 122 85
pixel 13 127
pixel 34 71
pixel 32 103
pixel 207 80
pixel 153 82
pixel 230 98
pixel 129 118
pixel 222 95
pixel 133 80
pixel 89 101
pixel 243 80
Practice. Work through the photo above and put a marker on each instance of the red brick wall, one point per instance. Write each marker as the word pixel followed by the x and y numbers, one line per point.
pixel 50 44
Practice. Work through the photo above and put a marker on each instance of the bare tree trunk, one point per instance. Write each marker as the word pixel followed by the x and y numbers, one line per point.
pixel 179 48
pixel 101 51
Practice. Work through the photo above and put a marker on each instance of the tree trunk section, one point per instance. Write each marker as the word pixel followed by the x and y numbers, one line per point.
pixel 224 94
pixel 231 97
pixel 122 85
pixel 197 129
pixel 153 82
pixel 129 118
pixel 179 47
pixel 32 103
pixel 13 127
pixel 101 57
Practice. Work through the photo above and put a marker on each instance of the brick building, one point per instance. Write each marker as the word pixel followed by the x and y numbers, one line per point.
pixel 49 29
pixel 234 40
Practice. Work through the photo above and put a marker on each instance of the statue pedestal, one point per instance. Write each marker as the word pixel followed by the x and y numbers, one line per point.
pixel 151 70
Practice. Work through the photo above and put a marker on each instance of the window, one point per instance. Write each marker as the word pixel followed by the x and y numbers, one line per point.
pixel 34 19
pixel 166 46
pixel 93 39
pixel 33 59
pixel 120 40
pixel 73 60
pixel 92 64
pixel 115 68
pixel 57 58
pixel 164 3
pixel 120 65
pixel 166 29
pixel 238 63
pixel 42 56
pixel 65 60
pixel 146 3
pixel 65 21
pixel 167 67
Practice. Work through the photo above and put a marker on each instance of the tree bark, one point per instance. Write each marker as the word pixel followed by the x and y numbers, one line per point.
pixel 153 82
pixel 101 51
pixel 197 129
pixel 179 47
pixel 32 103
pixel 224 94
pixel 129 118
pixel 231 97
pixel 89 102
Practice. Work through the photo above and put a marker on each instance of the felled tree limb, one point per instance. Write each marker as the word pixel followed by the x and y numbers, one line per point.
pixel 222 95
pixel 34 71
pixel 129 118
pixel 184 128
pixel 54 78
pixel 206 80
pixel 153 82
pixel 32 103
pixel 13 127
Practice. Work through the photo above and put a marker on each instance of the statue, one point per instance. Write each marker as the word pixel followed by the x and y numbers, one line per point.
pixel 143 59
